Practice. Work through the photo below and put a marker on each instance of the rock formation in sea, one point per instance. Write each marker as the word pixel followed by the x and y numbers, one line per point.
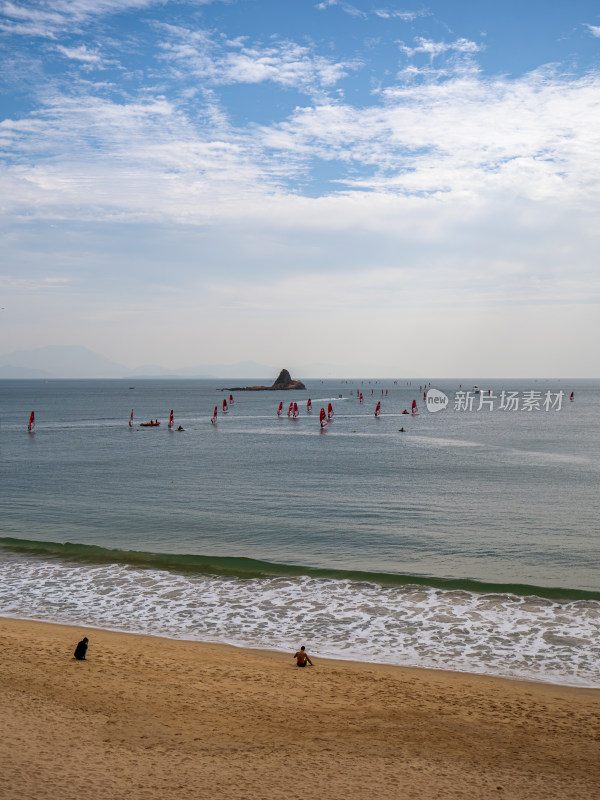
pixel 284 381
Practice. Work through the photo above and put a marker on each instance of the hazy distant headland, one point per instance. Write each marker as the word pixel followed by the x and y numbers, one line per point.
pixel 76 362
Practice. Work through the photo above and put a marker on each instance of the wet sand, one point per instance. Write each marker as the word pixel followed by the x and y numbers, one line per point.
pixel 145 718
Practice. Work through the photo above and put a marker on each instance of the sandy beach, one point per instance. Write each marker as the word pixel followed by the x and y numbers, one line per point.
pixel 145 717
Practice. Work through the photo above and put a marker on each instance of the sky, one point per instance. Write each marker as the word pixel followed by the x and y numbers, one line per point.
pixel 339 188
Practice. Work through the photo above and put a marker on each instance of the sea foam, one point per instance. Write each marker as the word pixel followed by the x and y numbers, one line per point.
pixel 495 634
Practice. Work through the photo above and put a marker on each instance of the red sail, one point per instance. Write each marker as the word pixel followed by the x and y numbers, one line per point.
pixel 290 409
pixel 322 418
pixel 309 406
pixel 295 410
pixel 31 425
pixel 214 416
pixel 329 411
pixel 378 409
pixel 131 419
pixel 171 419
pixel 280 409
pixel 224 406
pixel 230 399
pixel 414 406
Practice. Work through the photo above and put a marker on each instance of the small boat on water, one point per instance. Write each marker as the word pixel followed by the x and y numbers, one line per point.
pixel 476 389
pixel 152 424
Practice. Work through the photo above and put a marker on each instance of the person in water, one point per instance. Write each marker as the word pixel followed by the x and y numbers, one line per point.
pixel 81 649
pixel 302 658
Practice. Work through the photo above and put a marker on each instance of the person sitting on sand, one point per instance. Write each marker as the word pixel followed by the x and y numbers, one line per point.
pixel 302 658
pixel 81 649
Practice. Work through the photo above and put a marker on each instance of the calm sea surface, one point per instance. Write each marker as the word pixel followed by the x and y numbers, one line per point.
pixel 467 541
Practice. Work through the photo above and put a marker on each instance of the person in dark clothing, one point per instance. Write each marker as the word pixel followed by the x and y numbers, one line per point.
pixel 81 649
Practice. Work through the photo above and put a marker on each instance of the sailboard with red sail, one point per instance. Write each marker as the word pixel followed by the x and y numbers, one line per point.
pixel 171 419
pixel 329 411
pixel 225 408
pixel 131 419
pixel 378 408
pixel 309 406
pixel 290 409
pixel 295 411
pixel 571 398
pixel 414 407
pixel 360 397
pixel 230 399
pixel 31 426
pixel 214 417
pixel 280 409
pixel 323 418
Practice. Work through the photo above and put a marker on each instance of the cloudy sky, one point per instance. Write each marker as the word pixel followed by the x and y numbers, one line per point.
pixel 359 188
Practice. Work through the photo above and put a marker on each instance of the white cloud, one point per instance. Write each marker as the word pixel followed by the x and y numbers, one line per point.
pixel 433 49
pixel 220 61
pixel 465 143
pixel 82 54
pixel 12 283
pixel 50 18
pixel 535 136
pixel 405 16
pixel 594 30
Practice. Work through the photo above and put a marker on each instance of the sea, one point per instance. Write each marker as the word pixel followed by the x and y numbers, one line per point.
pixel 462 537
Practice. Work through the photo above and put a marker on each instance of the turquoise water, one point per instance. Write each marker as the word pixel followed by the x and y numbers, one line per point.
pixel 467 541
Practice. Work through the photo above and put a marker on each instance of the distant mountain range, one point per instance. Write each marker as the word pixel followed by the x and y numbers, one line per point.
pixel 64 361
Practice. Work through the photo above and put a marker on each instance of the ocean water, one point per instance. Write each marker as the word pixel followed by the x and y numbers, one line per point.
pixel 466 541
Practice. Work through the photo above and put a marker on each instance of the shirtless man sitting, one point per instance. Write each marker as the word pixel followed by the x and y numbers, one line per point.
pixel 302 658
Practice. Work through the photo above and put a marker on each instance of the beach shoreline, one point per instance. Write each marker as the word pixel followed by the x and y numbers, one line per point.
pixel 149 717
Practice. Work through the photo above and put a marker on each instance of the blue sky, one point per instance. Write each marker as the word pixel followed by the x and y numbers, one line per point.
pixel 340 188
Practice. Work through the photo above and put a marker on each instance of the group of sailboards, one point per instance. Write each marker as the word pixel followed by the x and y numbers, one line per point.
pixel 225 409
pixel 325 419
pixel 293 410
pixel 154 423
